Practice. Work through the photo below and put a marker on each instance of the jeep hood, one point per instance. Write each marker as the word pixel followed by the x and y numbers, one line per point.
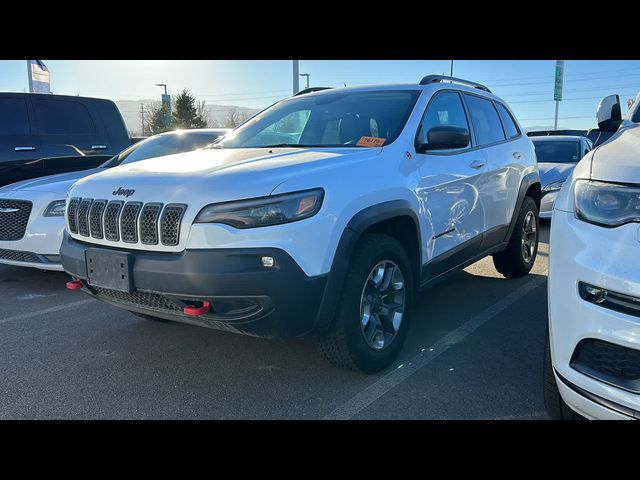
pixel 215 175
pixel 618 160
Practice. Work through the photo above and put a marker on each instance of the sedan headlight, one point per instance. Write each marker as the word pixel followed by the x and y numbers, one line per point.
pixel 55 209
pixel 553 187
pixel 607 204
pixel 261 212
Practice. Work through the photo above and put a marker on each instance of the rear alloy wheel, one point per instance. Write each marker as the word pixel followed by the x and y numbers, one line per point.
pixel 371 321
pixel 518 258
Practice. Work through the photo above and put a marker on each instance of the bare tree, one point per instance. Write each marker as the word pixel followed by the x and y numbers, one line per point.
pixel 203 115
pixel 235 117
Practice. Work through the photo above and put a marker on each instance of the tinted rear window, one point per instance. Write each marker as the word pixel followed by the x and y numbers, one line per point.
pixel 507 121
pixel 485 120
pixel 65 117
pixel 557 152
pixel 14 119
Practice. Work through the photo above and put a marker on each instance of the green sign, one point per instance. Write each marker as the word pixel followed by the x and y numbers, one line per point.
pixel 557 91
pixel 166 101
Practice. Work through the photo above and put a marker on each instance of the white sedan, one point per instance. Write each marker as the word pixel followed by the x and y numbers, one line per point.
pixel 592 359
pixel 32 211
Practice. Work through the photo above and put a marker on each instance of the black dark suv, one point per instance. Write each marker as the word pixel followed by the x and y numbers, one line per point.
pixel 44 134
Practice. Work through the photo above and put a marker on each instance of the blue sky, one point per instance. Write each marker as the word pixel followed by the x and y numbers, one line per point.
pixel 527 85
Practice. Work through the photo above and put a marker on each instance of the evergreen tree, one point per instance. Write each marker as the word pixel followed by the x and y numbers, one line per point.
pixel 187 113
pixel 160 120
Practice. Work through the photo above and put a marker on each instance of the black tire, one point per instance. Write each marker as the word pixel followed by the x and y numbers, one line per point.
pixel 511 261
pixel 556 408
pixel 344 344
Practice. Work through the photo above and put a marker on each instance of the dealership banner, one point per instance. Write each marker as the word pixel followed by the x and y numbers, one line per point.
pixel 39 77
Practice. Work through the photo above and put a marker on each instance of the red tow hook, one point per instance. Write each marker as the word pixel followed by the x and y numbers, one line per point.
pixel 74 285
pixel 194 311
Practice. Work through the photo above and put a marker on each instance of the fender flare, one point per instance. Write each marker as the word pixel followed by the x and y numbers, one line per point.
pixel 527 181
pixel 358 224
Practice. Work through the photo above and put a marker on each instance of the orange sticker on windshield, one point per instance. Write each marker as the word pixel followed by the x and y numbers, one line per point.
pixel 370 142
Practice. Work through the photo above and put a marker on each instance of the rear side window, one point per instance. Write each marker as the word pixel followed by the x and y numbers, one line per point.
pixel 64 117
pixel 14 118
pixel 485 120
pixel 445 109
pixel 507 121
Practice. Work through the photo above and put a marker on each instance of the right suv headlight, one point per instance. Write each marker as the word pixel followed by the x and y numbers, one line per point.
pixel 607 204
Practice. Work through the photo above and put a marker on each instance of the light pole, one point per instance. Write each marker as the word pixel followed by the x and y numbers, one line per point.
pixel 162 85
pixel 296 79
pixel 306 75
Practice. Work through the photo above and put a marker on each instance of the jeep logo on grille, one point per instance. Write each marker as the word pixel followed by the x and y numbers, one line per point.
pixel 124 192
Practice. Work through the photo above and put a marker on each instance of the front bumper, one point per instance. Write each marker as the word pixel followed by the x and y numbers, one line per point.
pixel 39 247
pixel 607 258
pixel 279 301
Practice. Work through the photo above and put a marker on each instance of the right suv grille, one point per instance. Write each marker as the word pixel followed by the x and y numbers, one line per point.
pixel 130 222
pixel 14 216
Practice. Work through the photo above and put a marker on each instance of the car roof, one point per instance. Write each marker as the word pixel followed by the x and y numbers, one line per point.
pixel 556 138
pixel 406 86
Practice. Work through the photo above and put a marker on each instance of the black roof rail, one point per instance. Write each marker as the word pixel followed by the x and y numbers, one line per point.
pixel 442 78
pixel 311 89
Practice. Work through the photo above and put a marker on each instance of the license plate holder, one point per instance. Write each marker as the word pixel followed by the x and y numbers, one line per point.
pixel 109 269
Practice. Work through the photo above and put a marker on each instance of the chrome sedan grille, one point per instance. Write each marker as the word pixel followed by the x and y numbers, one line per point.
pixel 130 222
pixel 14 216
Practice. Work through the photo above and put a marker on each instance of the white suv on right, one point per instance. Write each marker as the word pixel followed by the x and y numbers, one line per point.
pixel 592 356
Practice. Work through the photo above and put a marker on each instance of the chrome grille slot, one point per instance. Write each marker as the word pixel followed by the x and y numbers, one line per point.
pixel 83 216
pixel 149 223
pixel 129 222
pixel 72 211
pixel 14 216
pixel 111 217
pixel 170 224
pixel 95 218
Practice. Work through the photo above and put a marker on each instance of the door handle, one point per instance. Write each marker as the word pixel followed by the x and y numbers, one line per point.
pixel 477 164
pixel 517 155
pixel 24 149
pixel 98 147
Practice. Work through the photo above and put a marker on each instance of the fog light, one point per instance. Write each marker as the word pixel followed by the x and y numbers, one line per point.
pixel 268 262
pixel 592 294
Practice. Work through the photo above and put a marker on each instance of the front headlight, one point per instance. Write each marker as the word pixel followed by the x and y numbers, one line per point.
pixel 261 212
pixel 607 204
pixel 55 209
pixel 553 187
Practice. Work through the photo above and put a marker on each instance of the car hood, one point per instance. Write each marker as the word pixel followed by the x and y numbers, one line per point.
pixel 214 175
pixel 617 160
pixel 554 172
pixel 59 183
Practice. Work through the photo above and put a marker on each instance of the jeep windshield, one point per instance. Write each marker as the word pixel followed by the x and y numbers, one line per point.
pixel 330 119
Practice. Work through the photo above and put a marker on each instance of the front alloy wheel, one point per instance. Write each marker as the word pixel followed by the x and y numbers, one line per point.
pixel 382 305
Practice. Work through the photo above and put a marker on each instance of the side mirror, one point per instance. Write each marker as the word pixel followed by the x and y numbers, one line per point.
pixel 609 113
pixel 445 137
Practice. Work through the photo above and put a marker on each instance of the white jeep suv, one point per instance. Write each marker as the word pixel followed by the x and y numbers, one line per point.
pixel 592 356
pixel 322 215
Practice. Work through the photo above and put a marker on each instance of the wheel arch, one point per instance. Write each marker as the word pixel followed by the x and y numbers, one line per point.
pixel 529 187
pixel 396 218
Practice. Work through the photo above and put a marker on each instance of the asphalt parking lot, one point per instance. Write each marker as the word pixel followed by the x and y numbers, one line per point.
pixel 474 351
